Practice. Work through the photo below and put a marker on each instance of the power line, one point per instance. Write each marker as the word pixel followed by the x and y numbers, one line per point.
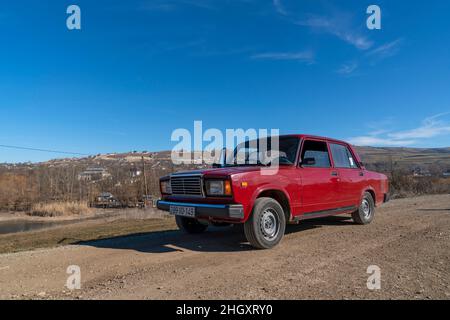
pixel 43 150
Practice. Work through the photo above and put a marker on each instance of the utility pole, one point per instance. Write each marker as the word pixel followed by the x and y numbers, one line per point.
pixel 145 177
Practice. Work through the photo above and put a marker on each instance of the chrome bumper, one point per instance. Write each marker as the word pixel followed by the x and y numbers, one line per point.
pixel 225 211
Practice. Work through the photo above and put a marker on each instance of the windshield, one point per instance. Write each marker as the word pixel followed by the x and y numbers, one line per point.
pixel 265 151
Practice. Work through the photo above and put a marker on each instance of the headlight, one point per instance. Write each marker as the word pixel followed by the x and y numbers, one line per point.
pixel 165 187
pixel 218 187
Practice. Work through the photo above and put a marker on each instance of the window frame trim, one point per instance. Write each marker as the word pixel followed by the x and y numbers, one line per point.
pixel 349 150
pixel 301 153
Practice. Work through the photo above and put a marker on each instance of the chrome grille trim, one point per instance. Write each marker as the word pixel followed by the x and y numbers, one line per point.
pixel 187 185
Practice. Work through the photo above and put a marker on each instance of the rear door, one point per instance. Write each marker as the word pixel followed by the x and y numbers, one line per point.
pixel 319 187
pixel 351 177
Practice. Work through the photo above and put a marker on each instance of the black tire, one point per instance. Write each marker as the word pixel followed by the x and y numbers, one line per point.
pixel 366 210
pixel 266 225
pixel 190 225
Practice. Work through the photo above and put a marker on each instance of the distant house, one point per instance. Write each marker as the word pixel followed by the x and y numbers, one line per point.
pixel 446 173
pixel 419 172
pixel 93 174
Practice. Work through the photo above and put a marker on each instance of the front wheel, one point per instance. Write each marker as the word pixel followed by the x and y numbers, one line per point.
pixel 190 225
pixel 366 210
pixel 266 225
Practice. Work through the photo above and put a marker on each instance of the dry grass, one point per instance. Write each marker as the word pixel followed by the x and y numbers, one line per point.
pixel 58 209
pixel 403 185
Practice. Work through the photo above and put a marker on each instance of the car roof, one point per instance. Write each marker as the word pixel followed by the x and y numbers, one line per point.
pixel 310 136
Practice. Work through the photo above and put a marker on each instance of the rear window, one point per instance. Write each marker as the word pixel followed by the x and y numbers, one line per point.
pixel 342 157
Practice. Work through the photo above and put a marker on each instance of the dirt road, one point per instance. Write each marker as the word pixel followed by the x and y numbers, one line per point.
pixel 328 258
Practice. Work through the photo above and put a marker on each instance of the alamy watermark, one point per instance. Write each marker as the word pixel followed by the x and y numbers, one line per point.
pixel 374 280
pixel 235 147
pixel 73 21
pixel 374 20
pixel 73 281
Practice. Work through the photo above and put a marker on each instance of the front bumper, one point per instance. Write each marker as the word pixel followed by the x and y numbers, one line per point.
pixel 217 211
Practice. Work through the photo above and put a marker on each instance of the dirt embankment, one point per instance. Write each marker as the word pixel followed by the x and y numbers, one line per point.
pixel 409 241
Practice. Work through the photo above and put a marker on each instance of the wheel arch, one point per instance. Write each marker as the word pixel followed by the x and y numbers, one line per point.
pixel 280 196
pixel 372 193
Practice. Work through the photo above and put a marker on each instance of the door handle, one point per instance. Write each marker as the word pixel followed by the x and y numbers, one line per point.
pixel 334 173
pixel 361 174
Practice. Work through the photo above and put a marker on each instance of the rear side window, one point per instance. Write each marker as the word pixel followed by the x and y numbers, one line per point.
pixel 317 150
pixel 342 157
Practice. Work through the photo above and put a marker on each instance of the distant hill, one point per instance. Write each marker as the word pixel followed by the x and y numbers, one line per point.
pixel 412 171
pixel 383 158
pixel 375 158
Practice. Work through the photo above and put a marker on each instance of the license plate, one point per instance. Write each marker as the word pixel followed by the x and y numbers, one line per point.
pixel 182 211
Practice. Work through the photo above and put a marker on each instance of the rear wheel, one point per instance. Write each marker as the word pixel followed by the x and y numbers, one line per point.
pixel 366 210
pixel 266 225
pixel 190 225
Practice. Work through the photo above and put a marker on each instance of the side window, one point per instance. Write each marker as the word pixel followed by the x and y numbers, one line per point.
pixel 318 151
pixel 342 157
pixel 353 164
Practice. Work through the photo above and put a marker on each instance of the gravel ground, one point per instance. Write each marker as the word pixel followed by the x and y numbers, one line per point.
pixel 319 259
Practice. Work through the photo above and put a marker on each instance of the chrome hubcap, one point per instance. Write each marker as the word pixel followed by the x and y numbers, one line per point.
pixel 269 224
pixel 365 205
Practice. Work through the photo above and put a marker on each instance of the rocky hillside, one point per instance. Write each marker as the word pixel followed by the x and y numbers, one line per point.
pixel 434 160
pixel 411 172
pixel 385 159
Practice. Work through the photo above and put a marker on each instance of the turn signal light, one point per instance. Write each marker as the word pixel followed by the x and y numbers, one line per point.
pixel 227 187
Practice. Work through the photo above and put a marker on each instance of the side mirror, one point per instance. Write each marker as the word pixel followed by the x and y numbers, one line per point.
pixel 308 162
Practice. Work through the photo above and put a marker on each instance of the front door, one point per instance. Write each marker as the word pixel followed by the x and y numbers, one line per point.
pixel 319 180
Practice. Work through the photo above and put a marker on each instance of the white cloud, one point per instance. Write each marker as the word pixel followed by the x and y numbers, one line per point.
pixel 373 56
pixel 336 23
pixel 386 50
pixel 375 141
pixel 348 68
pixel 279 7
pixel 338 27
pixel 306 56
pixel 431 127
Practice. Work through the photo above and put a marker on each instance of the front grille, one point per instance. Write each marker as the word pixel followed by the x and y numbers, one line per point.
pixel 188 185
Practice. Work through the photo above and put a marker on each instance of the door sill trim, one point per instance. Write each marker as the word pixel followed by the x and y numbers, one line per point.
pixel 325 213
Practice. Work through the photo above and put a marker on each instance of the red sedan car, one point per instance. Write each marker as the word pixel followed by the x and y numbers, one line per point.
pixel 315 177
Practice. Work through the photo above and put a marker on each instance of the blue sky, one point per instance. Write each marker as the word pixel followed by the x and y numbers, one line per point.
pixel 137 70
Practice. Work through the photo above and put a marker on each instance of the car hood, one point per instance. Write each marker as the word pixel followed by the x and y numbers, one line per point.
pixel 220 171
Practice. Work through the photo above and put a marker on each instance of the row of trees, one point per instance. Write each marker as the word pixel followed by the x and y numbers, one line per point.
pixel 403 184
pixel 22 187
